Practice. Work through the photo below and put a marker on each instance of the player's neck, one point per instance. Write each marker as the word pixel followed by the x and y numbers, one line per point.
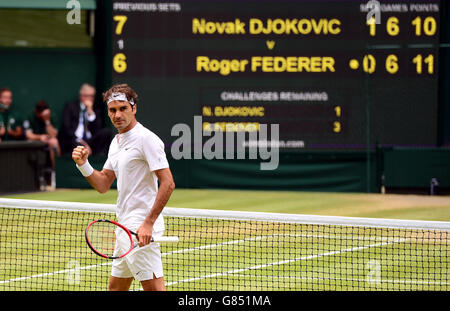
pixel 129 127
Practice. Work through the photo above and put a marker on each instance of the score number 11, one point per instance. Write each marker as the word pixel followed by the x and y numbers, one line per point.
pixel 369 63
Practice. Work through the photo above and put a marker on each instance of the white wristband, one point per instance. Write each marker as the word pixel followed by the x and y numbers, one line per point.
pixel 86 169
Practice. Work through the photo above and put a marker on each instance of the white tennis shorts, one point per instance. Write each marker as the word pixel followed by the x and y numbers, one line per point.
pixel 140 263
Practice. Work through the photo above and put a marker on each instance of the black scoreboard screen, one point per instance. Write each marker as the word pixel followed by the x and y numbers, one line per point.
pixel 332 74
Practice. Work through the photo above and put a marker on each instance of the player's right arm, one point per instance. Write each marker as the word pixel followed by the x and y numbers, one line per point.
pixel 99 180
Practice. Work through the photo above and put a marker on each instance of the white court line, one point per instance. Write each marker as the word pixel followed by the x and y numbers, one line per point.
pixel 209 246
pixel 258 238
pixel 282 262
pixel 52 273
pixel 203 247
pixel 398 281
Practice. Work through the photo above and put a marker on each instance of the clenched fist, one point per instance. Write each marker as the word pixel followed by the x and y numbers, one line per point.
pixel 80 155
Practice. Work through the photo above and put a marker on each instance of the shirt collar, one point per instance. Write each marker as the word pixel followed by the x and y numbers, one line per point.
pixel 130 132
pixel 121 137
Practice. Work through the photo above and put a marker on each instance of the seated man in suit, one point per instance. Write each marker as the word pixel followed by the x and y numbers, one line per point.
pixel 82 125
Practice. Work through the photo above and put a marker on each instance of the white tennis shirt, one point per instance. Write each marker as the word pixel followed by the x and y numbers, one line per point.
pixel 134 156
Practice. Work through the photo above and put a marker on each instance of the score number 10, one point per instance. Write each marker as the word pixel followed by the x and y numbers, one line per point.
pixel 428 26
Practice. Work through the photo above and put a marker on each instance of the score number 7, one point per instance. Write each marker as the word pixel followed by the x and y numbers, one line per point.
pixel 121 20
pixel 119 60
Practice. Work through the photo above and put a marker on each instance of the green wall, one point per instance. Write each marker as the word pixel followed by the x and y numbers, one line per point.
pixel 305 171
pixel 408 170
pixel 414 168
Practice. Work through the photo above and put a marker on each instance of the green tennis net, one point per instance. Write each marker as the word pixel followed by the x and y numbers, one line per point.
pixel 42 247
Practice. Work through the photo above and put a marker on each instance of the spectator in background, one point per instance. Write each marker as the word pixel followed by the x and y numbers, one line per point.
pixel 10 121
pixel 82 125
pixel 2 128
pixel 39 127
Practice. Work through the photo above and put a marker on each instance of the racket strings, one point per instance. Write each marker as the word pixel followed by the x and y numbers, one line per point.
pixel 103 236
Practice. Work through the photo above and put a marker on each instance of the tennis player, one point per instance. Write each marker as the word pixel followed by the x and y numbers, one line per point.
pixel 137 159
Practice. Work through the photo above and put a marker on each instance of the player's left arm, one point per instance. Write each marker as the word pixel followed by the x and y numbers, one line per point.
pixel 166 187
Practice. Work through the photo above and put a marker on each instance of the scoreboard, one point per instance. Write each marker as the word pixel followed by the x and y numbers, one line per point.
pixel 332 74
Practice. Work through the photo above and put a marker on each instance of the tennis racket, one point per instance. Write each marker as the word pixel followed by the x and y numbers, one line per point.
pixel 101 236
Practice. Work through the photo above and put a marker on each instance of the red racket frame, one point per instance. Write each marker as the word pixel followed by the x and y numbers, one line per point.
pixel 117 224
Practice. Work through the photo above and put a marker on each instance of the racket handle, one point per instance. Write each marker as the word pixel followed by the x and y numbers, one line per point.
pixel 166 239
pixel 162 239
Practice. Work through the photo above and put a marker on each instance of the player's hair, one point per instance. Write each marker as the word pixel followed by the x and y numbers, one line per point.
pixel 41 106
pixel 121 88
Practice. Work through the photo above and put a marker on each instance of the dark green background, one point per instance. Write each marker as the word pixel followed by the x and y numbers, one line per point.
pixel 55 74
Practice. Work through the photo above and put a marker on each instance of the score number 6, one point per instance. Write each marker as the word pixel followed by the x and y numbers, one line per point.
pixel 119 60
pixel 119 63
